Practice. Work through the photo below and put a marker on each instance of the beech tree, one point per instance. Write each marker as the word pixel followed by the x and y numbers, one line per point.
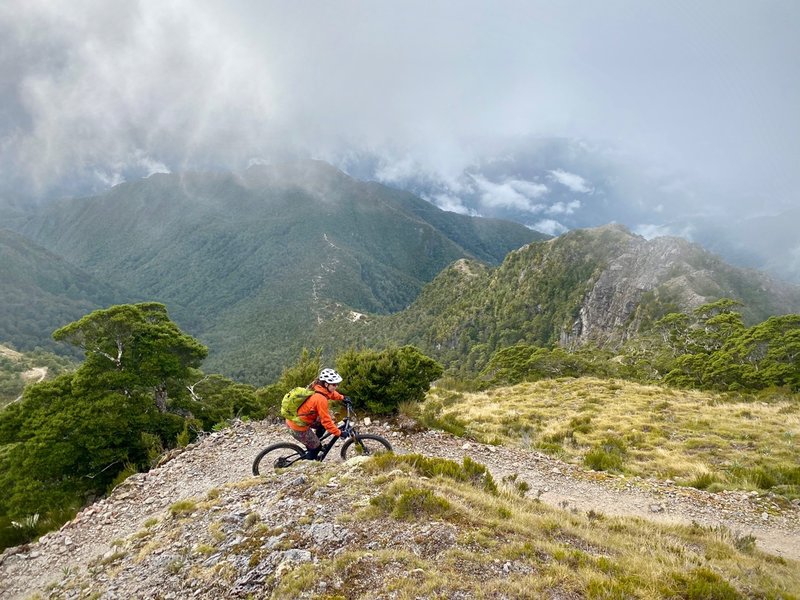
pixel 383 380
pixel 70 438
pixel 132 347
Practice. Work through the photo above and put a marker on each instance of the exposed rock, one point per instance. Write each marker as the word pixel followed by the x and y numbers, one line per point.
pixel 251 533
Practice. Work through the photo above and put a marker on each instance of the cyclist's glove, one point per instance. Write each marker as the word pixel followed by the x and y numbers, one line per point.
pixel 347 401
pixel 345 433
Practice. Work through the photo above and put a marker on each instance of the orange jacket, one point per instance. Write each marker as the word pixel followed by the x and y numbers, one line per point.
pixel 316 407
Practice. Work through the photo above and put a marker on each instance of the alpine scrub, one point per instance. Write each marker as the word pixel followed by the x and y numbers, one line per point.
pixel 703 439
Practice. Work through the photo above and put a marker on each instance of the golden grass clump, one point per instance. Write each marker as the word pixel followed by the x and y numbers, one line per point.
pixel 704 439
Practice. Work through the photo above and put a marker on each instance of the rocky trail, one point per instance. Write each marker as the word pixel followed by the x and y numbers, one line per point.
pixel 226 457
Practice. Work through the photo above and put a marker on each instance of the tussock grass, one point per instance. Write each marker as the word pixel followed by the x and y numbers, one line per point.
pixel 708 440
pixel 468 470
pixel 183 507
pixel 502 545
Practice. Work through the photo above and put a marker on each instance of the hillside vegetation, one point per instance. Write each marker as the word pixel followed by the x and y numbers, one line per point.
pixel 585 289
pixel 40 292
pixel 253 264
pixel 18 369
pixel 414 527
pixel 260 264
pixel 704 440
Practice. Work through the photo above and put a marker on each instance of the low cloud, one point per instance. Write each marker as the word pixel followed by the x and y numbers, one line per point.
pixel 89 87
pixel 95 93
pixel 529 189
pixel 563 208
pixel 573 182
pixel 515 194
pixel 550 227
pixel 451 204
pixel 650 231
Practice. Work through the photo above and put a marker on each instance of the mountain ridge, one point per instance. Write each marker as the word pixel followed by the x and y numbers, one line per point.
pixel 171 530
pixel 40 291
pixel 588 286
pixel 248 262
pixel 262 263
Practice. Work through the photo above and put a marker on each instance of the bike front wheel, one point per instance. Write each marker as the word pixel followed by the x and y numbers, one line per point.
pixel 278 456
pixel 365 445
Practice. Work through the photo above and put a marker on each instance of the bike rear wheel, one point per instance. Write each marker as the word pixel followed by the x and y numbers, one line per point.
pixel 365 445
pixel 281 456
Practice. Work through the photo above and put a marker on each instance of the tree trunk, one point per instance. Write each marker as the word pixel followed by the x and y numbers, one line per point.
pixel 161 398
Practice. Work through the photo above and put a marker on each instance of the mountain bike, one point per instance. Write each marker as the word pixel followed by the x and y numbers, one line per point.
pixel 284 454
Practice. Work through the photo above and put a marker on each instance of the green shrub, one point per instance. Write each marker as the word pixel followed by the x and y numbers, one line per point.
pixel 417 503
pixel 153 446
pixel 704 584
pixel 607 455
pixel 128 470
pixel 381 381
pixel 703 481
pixel 765 478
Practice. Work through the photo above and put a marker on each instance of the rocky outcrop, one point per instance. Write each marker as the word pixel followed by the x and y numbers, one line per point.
pixel 671 272
pixel 610 308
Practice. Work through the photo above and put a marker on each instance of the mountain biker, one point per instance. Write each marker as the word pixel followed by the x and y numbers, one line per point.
pixel 314 412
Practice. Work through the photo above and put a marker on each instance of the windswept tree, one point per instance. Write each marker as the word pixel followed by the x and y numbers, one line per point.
pixel 132 347
pixel 71 438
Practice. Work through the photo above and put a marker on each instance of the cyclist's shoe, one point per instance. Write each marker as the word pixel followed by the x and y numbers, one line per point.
pixel 311 454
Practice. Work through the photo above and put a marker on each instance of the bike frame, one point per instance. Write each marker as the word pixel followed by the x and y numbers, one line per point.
pixel 289 453
pixel 325 448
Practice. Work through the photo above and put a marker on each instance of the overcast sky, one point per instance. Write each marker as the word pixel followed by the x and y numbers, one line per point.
pixel 104 90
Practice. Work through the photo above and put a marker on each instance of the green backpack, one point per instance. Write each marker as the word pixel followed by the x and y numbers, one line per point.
pixel 292 402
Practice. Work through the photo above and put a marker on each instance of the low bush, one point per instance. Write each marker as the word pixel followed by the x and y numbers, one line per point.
pixel 409 503
pixel 468 471
pixel 607 455
pixel 381 381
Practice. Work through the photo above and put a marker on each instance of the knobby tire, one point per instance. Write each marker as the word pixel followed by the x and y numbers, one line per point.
pixel 281 451
pixel 365 445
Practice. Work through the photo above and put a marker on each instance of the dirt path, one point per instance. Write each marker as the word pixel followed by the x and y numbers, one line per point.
pixel 34 375
pixel 226 457
pixel 774 523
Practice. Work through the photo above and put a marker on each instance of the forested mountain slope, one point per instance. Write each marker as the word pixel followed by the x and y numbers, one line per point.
pixel 40 292
pixel 253 263
pixel 599 286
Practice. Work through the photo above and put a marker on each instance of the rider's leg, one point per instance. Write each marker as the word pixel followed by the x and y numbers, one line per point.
pixel 310 440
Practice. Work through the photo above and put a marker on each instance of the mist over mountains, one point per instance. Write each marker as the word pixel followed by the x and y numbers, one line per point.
pixel 262 263
pixel 676 119
pixel 253 263
pixel 554 185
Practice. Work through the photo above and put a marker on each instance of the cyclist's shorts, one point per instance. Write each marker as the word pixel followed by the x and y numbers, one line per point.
pixel 308 438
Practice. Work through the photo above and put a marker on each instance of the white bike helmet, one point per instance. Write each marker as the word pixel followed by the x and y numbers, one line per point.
pixel 330 376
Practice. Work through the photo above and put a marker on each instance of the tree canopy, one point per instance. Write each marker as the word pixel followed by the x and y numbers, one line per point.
pixel 70 438
pixel 132 347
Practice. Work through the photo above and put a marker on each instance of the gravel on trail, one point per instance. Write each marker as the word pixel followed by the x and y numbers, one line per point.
pixel 226 456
